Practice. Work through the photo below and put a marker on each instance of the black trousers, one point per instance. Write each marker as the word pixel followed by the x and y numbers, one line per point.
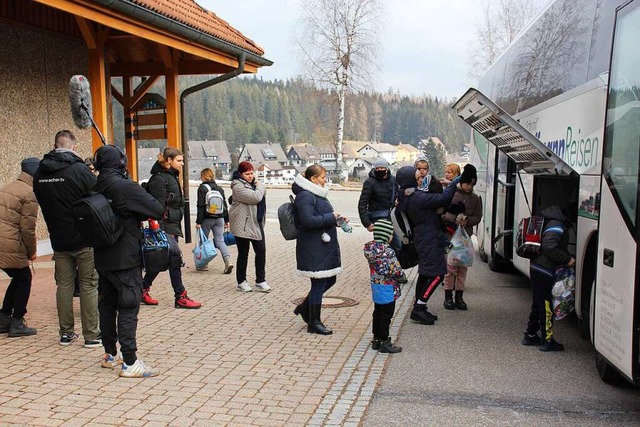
pixel 119 294
pixel 175 274
pixel 260 249
pixel 541 316
pixel 18 291
pixel 382 315
pixel 319 287
pixel 426 286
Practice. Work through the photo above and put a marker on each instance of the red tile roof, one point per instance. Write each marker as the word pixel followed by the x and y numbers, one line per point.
pixel 189 13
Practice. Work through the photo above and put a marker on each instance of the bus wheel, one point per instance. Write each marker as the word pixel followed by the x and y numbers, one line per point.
pixel 586 289
pixel 607 373
pixel 481 253
pixel 499 264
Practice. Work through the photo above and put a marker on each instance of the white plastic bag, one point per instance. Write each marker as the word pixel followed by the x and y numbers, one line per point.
pixel 461 253
pixel 564 292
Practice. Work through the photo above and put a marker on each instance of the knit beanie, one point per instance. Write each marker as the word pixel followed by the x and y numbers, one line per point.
pixel 382 230
pixel 380 163
pixel 245 167
pixel 469 175
pixel 30 165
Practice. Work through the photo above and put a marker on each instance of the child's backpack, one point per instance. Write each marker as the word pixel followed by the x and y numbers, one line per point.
pixel 529 237
pixel 402 227
pixel 214 201
pixel 96 222
pixel 286 218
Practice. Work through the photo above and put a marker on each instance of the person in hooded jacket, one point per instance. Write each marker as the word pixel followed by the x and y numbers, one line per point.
pixel 60 181
pixel 119 265
pixel 378 195
pixel 247 217
pixel 317 248
pixel 215 223
pixel 553 254
pixel 421 208
pixel 164 186
pixel 18 215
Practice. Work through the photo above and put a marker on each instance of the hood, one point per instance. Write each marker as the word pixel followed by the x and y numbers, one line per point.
pixel 301 183
pixel 110 157
pixel 374 250
pixel 57 160
pixel 157 167
pixel 554 212
pixel 406 177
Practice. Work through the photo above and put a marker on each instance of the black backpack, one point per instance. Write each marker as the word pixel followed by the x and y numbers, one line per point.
pixel 96 222
pixel 403 228
pixel 287 218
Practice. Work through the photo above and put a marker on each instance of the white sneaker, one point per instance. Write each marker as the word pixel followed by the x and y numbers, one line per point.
pixel 109 361
pixel 263 287
pixel 244 287
pixel 137 370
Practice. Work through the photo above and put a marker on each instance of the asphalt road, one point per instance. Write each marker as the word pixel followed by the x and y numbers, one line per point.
pixel 470 368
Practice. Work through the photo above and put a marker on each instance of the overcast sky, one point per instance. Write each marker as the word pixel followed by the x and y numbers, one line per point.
pixel 425 42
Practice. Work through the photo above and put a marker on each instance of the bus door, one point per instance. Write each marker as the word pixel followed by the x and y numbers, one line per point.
pixel 615 300
pixel 516 149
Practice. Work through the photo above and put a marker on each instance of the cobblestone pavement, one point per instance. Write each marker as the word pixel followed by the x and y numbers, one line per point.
pixel 242 359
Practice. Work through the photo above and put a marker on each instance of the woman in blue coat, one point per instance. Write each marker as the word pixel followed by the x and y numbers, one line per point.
pixel 317 248
pixel 428 237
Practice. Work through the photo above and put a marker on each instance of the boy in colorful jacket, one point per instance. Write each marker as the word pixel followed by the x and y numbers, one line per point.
pixel 386 277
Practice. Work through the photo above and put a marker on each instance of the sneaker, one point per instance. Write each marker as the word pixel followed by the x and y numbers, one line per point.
pixel 531 339
pixel 551 345
pixel 137 370
pixel 244 287
pixel 183 301
pixel 228 269
pixel 110 361
pixel 68 338
pixel 263 287
pixel 148 299
pixel 93 343
pixel 205 268
pixel 387 346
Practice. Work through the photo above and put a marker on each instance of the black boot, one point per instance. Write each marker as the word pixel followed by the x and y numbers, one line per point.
pixel 5 323
pixel 387 346
pixel 448 300
pixel 20 329
pixel 418 315
pixel 315 325
pixel 460 304
pixel 302 309
pixel 429 314
pixel 375 344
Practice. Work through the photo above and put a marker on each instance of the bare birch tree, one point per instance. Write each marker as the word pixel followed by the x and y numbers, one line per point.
pixel 339 47
pixel 501 22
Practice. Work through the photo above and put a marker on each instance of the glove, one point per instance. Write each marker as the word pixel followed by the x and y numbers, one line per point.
pixel 456 208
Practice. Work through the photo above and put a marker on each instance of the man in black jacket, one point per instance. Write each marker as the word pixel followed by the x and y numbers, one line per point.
pixel 378 196
pixel 60 181
pixel 119 265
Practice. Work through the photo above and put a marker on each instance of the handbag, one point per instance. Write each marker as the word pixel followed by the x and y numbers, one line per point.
pixel 229 238
pixel 462 252
pixel 204 251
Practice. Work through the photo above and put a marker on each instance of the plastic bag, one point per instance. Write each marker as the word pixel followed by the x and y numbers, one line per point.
pixel 204 252
pixel 564 292
pixel 461 253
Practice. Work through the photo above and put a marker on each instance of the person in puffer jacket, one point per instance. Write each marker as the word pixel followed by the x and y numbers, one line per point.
pixel 386 276
pixel 553 254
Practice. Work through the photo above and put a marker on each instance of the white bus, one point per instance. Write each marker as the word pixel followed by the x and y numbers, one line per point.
pixel 556 120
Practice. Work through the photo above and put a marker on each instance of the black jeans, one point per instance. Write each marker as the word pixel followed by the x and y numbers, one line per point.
pixel 541 316
pixel 260 248
pixel 175 274
pixel 382 315
pixel 319 287
pixel 426 286
pixel 18 291
pixel 119 294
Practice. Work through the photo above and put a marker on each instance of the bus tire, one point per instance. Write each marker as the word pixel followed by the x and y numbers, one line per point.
pixel 499 264
pixel 607 373
pixel 481 253
pixel 586 288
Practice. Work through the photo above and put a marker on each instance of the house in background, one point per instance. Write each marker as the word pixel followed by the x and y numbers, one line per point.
pixel 209 154
pixel 262 153
pixel 361 167
pixel 407 153
pixel 302 156
pixel 379 149
pixel 274 174
pixel 422 144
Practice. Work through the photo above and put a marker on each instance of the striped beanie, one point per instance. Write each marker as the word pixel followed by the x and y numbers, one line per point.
pixel 382 230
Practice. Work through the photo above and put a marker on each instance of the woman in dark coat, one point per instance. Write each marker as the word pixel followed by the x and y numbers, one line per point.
pixel 317 248
pixel 165 188
pixel 420 207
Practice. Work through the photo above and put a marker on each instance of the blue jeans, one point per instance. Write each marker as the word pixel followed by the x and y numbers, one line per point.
pixel 216 225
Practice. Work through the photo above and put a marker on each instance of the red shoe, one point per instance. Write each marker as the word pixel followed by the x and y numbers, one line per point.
pixel 147 299
pixel 185 302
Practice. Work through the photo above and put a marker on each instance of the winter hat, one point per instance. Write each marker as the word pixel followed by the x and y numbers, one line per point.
pixel 110 157
pixel 380 163
pixel 382 230
pixel 406 177
pixel 30 165
pixel 245 167
pixel 469 175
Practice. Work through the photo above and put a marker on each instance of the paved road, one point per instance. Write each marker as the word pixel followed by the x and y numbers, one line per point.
pixel 244 359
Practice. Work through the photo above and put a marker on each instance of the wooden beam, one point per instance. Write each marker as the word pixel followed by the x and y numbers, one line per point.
pixel 130 144
pixel 145 134
pixel 165 55
pixel 173 104
pixel 97 78
pixel 117 95
pixel 140 91
pixel 153 119
pixel 124 69
pixel 88 32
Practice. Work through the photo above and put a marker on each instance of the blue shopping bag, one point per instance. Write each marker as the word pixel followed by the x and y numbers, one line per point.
pixel 204 252
pixel 229 238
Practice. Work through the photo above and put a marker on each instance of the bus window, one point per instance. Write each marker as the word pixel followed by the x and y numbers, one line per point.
pixel 622 150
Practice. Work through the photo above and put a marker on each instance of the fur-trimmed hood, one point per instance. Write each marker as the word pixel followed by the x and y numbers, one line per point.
pixel 302 183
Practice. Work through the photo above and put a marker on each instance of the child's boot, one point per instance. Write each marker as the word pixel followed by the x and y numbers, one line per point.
pixel 460 304
pixel 448 300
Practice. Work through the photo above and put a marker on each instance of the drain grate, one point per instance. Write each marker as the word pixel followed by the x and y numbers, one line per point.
pixel 332 302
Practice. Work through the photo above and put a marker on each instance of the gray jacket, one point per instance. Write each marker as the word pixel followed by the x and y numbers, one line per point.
pixel 243 213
